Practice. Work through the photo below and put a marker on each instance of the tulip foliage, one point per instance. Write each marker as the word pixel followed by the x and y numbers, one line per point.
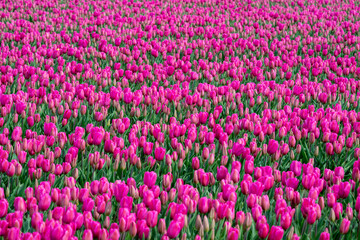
pixel 189 119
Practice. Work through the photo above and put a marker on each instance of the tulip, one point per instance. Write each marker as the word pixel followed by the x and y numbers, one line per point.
pixel 3 208
pixel 285 221
pixel 349 212
pixel 237 149
pixel 87 235
pixel 264 231
pixel 13 233
pixel 160 153
pixel 19 204
pixel 325 236
pixel 233 234
pixel 151 218
pixel 45 201
pixel 273 146
pixel 276 233
pixel 174 229
pixel 203 205
pixel 150 179
pixel 344 226
pixel 16 134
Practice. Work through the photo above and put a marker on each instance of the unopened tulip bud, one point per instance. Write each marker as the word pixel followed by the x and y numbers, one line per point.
pixel 196 178
pixel 138 164
pixel 133 229
pixel 316 152
pixel 265 203
pixel 180 163
pixel 186 223
pixel 212 213
pixel 7 192
pixel 224 160
pixel 211 159
pixel 349 212
pixel 107 222
pixel 212 180
pixel 332 216
pixel 201 231
pixel 75 173
pixel 172 194
pixel 198 222
pixel 18 169
pixel 290 234
pixel 108 208
pixel 292 155
pixel 123 164
pixel 206 224
pixel 83 109
pixel 321 202
pixel 248 221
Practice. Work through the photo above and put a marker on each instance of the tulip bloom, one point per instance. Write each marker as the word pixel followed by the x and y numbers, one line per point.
pixel 272 147
pixel 233 234
pixel 174 229
pixel 160 153
pixel 276 233
pixel 344 226
pixel 150 179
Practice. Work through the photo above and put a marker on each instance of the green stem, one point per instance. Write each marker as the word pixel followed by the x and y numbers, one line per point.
pixel 304 227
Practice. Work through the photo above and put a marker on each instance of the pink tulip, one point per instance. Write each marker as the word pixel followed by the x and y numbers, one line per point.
pixel 272 147
pixel 233 234
pixel 160 153
pixel 325 236
pixel 344 226
pixel 150 179
pixel 263 230
pixel 87 235
pixel 174 229
pixel 16 134
pixel 3 208
pixel 276 233
pixel 13 233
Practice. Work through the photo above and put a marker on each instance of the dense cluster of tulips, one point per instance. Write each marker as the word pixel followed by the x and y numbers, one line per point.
pixel 188 119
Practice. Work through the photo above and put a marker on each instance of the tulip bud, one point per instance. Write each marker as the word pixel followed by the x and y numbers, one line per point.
pixel 201 231
pixel 75 173
pixel 316 153
pixel 292 155
pixel 123 164
pixel 180 163
pixel 108 208
pixel 206 224
pixel 172 194
pixel 133 229
pixel 198 222
pixel 211 159
pixel 107 222
pixel 248 221
pixel 332 216
pixel 7 192
pixel 344 226
pixel 162 226
pixel 290 234
pixel 212 213
pixel 138 164
pixel 349 212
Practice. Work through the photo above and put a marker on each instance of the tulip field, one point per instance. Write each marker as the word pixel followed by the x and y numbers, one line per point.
pixel 179 119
